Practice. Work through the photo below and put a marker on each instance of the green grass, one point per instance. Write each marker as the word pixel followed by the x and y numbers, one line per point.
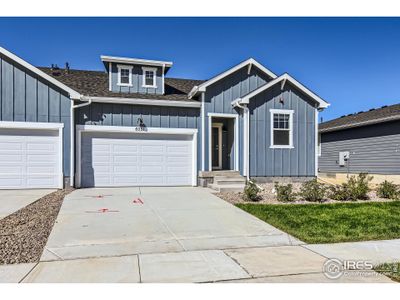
pixel 331 223
pixel 391 270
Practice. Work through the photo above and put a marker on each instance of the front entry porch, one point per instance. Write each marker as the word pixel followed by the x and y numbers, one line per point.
pixel 222 143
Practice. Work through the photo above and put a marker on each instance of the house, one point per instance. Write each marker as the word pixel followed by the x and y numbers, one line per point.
pixel 131 125
pixel 367 142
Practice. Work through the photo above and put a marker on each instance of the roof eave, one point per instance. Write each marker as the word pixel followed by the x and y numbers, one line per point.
pixel 322 104
pixel 72 93
pixel 141 101
pixel 251 61
pixel 359 124
pixel 138 61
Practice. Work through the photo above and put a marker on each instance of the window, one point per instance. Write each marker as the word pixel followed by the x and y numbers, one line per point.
pixel 124 75
pixel 149 77
pixel 281 128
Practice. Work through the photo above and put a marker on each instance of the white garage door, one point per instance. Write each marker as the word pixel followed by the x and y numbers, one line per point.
pixel 129 159
pixel 29 158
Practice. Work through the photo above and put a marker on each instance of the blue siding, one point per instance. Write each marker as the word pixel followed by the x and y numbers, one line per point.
pixel 137 81
pixel 153 116
pixel 267 162
pixel 218 98
pixel 374 149
pixel 24 97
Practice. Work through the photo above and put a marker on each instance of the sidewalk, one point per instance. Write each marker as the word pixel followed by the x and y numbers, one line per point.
pixel 301 263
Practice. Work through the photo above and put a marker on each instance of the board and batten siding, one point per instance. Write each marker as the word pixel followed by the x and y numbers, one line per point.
pixel 25 97
pixel 374 149
pixel 137 80
pixel 298 161
pixel 110 114
pixel 218 98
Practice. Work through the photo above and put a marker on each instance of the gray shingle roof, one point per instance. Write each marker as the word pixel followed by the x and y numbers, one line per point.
pixel 373 116
pixel 95 84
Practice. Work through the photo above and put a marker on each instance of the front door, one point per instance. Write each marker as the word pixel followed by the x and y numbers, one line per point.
pixel 217 147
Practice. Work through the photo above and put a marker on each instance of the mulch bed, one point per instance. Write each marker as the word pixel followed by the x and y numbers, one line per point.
pixel 24 233
pixel 268 196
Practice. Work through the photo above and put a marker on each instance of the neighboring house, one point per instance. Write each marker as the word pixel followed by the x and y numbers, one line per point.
pixel 366 142
pixel 130 125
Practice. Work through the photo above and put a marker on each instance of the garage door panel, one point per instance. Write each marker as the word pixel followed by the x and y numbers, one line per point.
pixel 126 179
pixel 10 146
pixel 179 180
pixel 9 181
pixel 136 159
pixel 43 181
pixel 126 169
pixel 41 169
pixel 125 148
pixel 11 158
pixel 29 158
pixel 126 158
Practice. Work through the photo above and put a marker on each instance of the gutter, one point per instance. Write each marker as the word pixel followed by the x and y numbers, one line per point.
pixel 152 102
pixel 87 101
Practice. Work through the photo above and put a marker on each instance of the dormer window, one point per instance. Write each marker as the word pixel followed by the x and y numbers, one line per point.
pixel 149 77
pixel 124 75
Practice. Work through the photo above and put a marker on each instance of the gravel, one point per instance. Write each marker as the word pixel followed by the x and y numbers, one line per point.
pixel 24 233
pixel 267 196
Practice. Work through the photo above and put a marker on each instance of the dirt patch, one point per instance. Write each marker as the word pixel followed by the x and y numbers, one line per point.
pixel 268 196
pixel 24 233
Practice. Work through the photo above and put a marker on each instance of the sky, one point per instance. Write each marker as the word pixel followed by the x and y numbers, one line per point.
pixel 353 63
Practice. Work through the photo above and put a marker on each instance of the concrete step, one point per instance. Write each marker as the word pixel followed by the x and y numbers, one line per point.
pixel 219 173
pixel 223 188
pixel 221 180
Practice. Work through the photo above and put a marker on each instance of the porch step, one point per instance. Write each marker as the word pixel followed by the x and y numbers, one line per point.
pixel 219 173
pixel 223 188
pixel 223 180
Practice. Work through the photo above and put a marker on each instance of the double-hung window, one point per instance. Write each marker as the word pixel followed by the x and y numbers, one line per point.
pixel 124 75
pixel 281 128
pixel 149 77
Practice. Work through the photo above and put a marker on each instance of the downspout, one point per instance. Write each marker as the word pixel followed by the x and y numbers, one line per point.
pixel 87 101
pixel 245 138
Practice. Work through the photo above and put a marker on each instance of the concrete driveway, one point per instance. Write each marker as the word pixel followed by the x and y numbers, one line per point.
pixel 125 221
pixel 13 200
pixel 167 235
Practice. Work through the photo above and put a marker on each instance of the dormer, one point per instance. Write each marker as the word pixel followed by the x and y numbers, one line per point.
pixel 133 75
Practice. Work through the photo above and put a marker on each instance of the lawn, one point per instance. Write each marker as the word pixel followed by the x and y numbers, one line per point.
pixel 391 270
pixel 331 223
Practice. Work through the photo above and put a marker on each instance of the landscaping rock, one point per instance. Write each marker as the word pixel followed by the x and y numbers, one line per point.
pixel 268 196
pixel 24 233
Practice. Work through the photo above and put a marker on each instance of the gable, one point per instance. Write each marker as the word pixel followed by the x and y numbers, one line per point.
pixel 282 81
pixel 247 65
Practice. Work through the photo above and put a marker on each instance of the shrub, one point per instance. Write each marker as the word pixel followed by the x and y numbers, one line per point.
pixel 251 191
pixel 338 192
pixel 356 188
pixel 388 190
pixel 284 193
pixel 312 191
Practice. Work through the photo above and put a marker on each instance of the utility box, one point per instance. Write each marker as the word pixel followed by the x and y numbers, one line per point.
pixel 344 156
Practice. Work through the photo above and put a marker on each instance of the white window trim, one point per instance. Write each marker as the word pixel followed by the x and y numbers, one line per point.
pixel 120 67
pixel 235 137
pixel 124 129
pixel 287 112
pixel 154 70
